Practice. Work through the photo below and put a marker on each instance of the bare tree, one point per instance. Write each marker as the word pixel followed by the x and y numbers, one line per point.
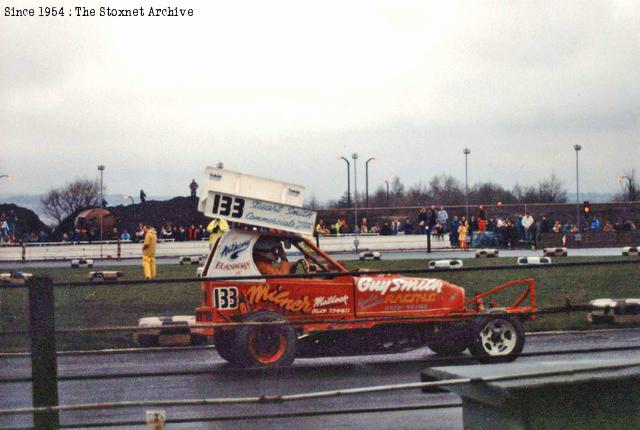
pixel 313 203
pixel 630 186
pixel 397 191
pixel 61 202
pixel 417 195
pixel 446 190
pixel 489 193
pixel 551 191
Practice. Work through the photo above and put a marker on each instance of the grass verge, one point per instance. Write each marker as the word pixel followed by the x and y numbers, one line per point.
pixel 93 306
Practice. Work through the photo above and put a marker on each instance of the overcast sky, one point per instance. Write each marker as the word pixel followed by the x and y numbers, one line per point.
pixel 280 88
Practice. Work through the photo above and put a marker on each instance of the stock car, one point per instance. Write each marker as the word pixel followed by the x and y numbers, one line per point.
pixel 267 320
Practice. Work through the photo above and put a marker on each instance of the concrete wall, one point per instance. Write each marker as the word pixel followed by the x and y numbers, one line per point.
pixel 59 251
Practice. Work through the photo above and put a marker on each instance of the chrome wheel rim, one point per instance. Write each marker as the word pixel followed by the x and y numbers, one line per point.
pixel 498 337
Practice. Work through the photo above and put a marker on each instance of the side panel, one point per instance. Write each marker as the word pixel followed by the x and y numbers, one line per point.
pixel 389 295
pixel 303 300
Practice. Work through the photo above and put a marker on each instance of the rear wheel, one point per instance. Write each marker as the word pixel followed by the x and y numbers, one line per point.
pixel 496 339
pixel 225 346
pixel 266 345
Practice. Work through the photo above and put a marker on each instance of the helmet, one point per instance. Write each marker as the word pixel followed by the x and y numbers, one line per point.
pixel 266 248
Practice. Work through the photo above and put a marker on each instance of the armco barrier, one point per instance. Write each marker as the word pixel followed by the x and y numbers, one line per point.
pixel 43 347
pixel 116 250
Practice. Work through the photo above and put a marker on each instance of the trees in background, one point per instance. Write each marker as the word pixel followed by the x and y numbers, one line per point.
pixel 630 186
pixel 446 190
pixel 61 202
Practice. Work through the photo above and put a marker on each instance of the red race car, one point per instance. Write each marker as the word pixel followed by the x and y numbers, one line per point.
pixel 326 310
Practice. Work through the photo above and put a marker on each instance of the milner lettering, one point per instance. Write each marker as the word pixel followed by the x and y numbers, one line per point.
pixel 279 297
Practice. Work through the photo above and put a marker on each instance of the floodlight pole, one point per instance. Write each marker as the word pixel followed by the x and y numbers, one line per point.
pixel 101 169
pixel 366 168
pixel 386 182
pixel 466 152
pixel 340 157
pixel 577 149
pixel 356 230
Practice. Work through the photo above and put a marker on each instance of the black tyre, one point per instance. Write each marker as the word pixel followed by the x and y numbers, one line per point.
pixel 225 346
pixel 198 339
pixel 496 338
pixel 449 340
pixel 147 340
pixel 265 345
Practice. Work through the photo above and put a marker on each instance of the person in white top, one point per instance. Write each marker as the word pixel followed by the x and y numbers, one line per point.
pixel 527 222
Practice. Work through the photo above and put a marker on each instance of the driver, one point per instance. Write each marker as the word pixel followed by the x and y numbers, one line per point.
pixel 266 252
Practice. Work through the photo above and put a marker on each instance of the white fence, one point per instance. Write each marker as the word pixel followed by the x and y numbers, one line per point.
pixel 114 250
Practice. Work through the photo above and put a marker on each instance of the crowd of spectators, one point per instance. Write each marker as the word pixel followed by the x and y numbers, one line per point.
pixel 168 232
pixel 520 229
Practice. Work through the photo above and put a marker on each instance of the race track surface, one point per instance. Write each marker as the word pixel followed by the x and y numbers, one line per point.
pixel 201 373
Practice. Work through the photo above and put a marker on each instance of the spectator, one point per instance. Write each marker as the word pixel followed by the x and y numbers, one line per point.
pixel 139 234
pixel 595 224
pixel 216 228
pixel 363 226
pixel 482 219
pixel 431 217
pixel 442 217
pixel 125 236
pixel 395 226
pixel 407 228
pixel 453 236
pixel 527 222
pixel 422 220
pixel 462 234
pixel 192 232
pixel 386 229
pixel 537 226
pixel 322 229
pixel 149 252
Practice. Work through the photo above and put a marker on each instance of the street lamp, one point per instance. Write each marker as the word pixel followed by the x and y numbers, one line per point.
pixel 387 184
pixel 101 169
pixel 466 152
pixel 340 157
pixel 366 168
pixel 577 148
pixel 354 156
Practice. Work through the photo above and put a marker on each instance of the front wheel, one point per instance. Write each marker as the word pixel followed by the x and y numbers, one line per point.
pixel 266 345
pixel 496 339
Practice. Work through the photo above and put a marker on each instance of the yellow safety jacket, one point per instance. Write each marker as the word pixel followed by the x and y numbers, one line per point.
pixel 216 228
pixel 149 245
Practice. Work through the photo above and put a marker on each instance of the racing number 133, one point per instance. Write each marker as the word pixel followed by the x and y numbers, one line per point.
pixel 228 206
pixel 225 298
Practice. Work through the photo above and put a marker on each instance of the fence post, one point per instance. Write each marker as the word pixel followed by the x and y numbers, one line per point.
pixel 24 252
pixel 44 369
pixel 428 230
pixel 118 250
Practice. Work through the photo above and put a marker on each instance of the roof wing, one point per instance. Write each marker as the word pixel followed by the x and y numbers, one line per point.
pixel 248 199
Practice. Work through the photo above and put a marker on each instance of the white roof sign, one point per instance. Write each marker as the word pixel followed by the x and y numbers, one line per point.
pixel 253 200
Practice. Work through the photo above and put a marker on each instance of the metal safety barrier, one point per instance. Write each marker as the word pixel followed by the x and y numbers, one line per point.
pixel 282 398
pixel 43 345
